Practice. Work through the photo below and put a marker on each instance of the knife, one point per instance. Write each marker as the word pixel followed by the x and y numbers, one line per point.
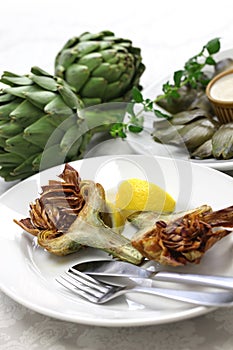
pixel 114 268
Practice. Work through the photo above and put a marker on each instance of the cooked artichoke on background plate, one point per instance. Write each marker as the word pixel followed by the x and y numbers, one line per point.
pixel 193 122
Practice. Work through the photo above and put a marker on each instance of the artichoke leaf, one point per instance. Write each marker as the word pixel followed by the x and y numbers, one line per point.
pixel 203 151
pixel 106 34
pixel 13 79
pixel 85 47
pixel 40 98
pixel 72 139
pixel 58 107
pixel 223 65
pixel 202 102
pixel 16 80
pixel 26 113
pixel 197 132
pixel 222 141
pixel 167 135
pixel 4 97
pixel 10 128
pixel 70 98
pixel 182 103
pixel 51 156
pixel 64 59
pixel 91 60
pixel 21 91
pixel 40 72
pixel 23 168
pixel 40 132
pixel 7 109
pixel 109 56
pixel 77 75
pixel 20 146
pixel 91 101
pixel 8 174
pixel 45 82
pixel 188 116
pixel 95 87
pixel 10 159
pixel 111 72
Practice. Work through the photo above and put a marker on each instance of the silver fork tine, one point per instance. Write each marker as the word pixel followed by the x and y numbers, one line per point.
pixel 83 285
pixel 77 290
pixel 87 280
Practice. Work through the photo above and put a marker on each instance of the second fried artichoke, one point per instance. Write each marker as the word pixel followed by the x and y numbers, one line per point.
pixel 185 238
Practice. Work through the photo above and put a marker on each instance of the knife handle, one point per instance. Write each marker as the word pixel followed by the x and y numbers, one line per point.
pixel 204 280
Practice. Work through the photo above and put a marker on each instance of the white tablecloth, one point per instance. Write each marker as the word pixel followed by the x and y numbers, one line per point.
pixel 169 32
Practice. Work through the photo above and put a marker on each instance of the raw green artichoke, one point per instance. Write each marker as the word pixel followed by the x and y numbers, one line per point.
pixel 31 108
pixel 100 67
pixel 41 124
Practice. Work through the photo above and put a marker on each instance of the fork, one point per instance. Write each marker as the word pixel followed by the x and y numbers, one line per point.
pixel 99 292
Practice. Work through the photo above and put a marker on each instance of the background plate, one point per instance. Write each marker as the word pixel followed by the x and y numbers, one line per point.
pixel 144 144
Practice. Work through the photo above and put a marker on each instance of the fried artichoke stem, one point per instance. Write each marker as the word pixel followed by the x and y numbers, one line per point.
pixel 186 238
pixel 89 229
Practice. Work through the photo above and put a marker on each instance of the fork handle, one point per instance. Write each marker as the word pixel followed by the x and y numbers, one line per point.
pixel 204 280
pixel 214 299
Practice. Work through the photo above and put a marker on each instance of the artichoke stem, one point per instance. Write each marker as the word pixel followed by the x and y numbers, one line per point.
pixel 102 237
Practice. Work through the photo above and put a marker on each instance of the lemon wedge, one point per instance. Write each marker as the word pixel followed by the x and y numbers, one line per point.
pixel 117 219
pixel 140 195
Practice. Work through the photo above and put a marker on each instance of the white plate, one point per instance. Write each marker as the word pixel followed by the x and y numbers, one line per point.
pixel 28 272
pixel 144 144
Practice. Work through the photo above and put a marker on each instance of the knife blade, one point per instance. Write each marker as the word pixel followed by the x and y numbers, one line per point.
pixel 114 268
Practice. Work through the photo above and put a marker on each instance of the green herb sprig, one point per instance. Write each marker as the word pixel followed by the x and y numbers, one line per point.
pixel 135 120
pixel 191 75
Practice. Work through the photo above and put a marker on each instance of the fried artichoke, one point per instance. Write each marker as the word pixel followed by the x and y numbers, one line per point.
pixel 183 239
pixel 71 214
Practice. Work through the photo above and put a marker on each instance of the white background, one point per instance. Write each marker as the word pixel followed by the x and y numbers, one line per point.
pixel 168 32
